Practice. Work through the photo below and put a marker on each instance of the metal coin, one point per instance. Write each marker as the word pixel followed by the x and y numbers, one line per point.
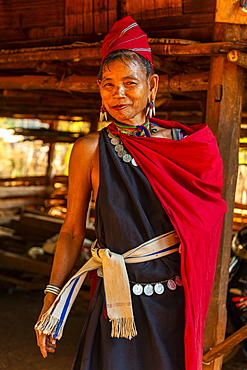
pixel 137 289
pixel 159 288
pixel 127 158
pixel 133 161
pixel 110 135
pixel 148 289
pixel 178 281
pixel 171 284
pixel 119 147
pixel 115 141
pixel 121 153
pixel 100 272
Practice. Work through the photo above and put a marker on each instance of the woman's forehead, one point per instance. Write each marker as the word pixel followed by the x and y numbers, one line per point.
pixel 121 68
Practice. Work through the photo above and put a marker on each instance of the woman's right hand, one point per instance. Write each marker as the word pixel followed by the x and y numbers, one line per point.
pixel 46 343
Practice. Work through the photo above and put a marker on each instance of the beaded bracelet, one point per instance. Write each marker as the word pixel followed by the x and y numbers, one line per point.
pixel 52 289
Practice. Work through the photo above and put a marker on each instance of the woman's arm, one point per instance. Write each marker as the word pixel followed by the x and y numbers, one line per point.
pixel 83 178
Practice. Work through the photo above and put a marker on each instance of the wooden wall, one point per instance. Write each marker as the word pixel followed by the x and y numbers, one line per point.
pixel 57 20
pixel 89 17
pixel 31 19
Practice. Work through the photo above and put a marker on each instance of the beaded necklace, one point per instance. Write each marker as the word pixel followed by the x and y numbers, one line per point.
pixel 141 130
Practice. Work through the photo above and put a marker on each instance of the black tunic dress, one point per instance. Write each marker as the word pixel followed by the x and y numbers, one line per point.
pixel 128 213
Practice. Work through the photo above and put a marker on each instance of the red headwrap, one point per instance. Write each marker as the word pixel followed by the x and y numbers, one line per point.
pixel 126 34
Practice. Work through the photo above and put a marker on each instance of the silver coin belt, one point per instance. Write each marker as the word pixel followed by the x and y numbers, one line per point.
pixel 120 149
pixel 158 288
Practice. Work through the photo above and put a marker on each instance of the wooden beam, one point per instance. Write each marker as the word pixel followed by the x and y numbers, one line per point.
pixel 29 180
pixel 44 114
pixel 21 202
pixel 226 345
pixel 87 84
pixel 237 57
pixel 41 98
pixel 24 264
pixel 197 50
pixel 184 82
pixel 224 110
pixel 49 136
pixel 22 191
pixel 74 53
pixel 90 52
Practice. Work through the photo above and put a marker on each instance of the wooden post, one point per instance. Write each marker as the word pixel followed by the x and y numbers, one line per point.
pixel 224 108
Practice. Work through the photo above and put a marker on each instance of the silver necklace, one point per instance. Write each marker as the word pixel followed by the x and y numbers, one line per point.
pixel 120 149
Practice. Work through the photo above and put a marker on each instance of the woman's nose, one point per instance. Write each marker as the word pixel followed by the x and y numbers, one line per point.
pixel 119 90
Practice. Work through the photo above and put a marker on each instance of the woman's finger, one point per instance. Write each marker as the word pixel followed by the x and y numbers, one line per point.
pixel 50 341
pixel 41 342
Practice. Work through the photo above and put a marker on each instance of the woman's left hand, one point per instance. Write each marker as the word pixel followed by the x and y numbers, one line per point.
pixel 46 343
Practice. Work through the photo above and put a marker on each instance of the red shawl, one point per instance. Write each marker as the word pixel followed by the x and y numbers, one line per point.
pixel 186 176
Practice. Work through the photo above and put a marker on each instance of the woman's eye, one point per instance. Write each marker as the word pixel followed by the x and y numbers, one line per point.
pixel 108 84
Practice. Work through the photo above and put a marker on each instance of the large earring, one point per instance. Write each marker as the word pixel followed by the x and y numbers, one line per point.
pixel 151 109
pixel 103 113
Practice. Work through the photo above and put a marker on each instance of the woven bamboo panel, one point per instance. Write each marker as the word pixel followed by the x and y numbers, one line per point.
pixel 86 17
pixel 151 9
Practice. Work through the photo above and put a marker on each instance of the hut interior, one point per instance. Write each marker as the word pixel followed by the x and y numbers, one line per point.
pixel 50 53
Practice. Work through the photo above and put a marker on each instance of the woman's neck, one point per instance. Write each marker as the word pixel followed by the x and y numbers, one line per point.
pixel 138 130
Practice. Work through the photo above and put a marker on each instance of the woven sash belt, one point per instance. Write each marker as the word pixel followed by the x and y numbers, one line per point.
pixel 116 284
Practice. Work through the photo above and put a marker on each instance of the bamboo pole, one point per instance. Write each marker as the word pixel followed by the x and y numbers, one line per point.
pixel 225 346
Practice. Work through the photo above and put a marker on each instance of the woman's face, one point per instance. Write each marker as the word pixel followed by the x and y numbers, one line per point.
pixel 126 91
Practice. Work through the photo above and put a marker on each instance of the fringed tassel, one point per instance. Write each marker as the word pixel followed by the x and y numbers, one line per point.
pixel 50 325
pixel 151 109
pixel 103 114
pixel 123 328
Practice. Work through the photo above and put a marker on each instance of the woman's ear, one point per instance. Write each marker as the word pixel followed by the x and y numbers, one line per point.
pixel 154 84
pixel 99 85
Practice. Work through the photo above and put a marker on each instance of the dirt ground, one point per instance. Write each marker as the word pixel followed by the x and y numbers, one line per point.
pixel 239 362
pixel 18 351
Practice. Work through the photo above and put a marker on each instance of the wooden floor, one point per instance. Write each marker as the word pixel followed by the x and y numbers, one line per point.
pixel 18 351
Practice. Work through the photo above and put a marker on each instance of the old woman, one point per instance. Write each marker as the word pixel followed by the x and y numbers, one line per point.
pixel 157 186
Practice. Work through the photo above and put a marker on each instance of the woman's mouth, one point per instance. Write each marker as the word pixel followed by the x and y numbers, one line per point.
pixel 119 106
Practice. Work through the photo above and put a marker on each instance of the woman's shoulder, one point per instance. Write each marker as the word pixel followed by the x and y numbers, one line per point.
pixel 88 142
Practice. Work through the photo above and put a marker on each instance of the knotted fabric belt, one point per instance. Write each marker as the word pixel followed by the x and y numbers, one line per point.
pixel 116 284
